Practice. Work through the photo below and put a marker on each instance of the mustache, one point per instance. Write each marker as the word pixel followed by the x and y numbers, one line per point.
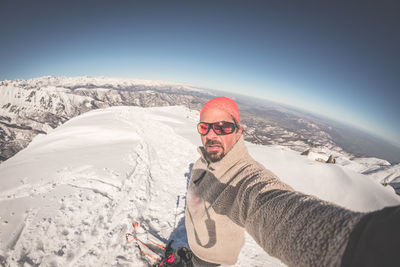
pixel 213 142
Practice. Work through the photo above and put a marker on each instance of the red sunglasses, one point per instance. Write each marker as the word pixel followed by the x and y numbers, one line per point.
pixel 219 127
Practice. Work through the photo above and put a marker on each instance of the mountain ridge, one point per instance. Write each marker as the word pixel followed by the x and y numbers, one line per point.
pixel 39 105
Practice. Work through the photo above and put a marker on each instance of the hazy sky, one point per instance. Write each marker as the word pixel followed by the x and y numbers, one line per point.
pixel 340 59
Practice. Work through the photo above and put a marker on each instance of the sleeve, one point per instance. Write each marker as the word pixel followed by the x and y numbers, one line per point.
pixel 299 229
pixel 375 241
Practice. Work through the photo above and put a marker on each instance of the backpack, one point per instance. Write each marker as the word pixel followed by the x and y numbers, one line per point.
pixel 180 257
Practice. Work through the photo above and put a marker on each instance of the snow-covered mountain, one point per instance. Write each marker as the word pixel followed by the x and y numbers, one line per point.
pixel 37 106
pixel 30 107
pixel 69 198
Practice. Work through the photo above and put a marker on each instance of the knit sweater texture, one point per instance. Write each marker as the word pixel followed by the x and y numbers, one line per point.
pixel 238 194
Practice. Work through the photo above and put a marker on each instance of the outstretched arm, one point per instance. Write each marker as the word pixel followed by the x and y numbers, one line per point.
pixel 299 229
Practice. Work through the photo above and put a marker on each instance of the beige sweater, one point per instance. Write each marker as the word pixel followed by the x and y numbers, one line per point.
pixel 237 193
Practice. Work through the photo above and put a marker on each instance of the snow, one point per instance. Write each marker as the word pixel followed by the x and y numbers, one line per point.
pixel 363 165
pixel 70 197
pixel 329 182
pixel 390 174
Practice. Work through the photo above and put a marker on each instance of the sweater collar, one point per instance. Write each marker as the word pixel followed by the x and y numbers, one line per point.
pixel 238 151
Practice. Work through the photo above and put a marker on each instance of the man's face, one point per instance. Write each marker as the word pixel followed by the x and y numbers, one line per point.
pixel 217 146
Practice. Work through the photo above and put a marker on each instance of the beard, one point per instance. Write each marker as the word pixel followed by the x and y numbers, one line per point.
pixel 214 156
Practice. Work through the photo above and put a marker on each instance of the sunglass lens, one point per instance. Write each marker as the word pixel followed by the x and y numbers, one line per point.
pixel 202 128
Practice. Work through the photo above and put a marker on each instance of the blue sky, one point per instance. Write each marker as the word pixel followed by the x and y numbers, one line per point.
pixel 340 59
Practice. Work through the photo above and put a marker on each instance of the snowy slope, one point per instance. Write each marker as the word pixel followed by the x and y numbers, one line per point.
pixel 331 182
pixel 30 107
pixel 69 198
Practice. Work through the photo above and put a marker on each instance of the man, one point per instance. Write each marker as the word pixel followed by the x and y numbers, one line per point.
pixel 229 193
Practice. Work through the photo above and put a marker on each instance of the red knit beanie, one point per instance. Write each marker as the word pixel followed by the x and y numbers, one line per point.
pixel 225 104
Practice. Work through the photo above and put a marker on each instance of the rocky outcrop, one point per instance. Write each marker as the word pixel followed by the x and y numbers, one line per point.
pixel 331 159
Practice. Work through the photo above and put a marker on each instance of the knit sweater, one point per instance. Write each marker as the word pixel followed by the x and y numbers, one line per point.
pixel 235 194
